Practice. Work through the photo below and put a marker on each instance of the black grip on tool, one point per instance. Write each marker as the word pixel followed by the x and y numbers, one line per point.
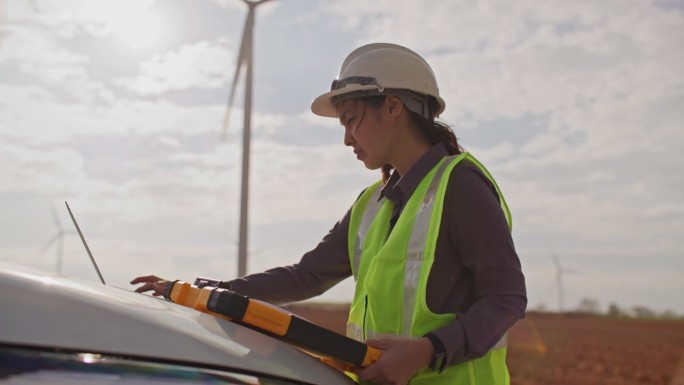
pixel 206 282
pixel 228 303
pixel 168 290
pixel 319 339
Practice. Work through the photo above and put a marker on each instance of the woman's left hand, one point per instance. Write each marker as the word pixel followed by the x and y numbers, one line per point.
pixel 401 359
pixel 151 283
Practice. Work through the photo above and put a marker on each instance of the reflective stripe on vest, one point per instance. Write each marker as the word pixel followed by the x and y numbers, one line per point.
pixel 371 211
pixel 414 255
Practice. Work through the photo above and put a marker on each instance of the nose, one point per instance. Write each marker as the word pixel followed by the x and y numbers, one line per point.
pixel 348 138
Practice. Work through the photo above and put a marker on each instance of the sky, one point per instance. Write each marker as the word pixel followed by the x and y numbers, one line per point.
pixel 117 107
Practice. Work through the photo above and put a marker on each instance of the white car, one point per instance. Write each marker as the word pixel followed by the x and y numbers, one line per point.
pixel 55 330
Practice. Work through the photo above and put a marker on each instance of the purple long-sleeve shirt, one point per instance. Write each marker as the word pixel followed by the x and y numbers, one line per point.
pixel 476 273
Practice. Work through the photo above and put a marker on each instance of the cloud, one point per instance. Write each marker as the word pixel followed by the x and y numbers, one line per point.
pixel 39 170
pixel 61 120
pixel 29 55
pixel 204 65
pixel 135 160
pixel 29 46
pixel 72 17
pixel 538 58
pixel 3 21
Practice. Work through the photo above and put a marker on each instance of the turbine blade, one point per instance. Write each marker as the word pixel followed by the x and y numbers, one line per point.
pixel 240 62
pixel 556 262
pixel 49 243
pixel 249 60
pixel 258 250
pixel 55 218
pixel 254 4
pixel 60 253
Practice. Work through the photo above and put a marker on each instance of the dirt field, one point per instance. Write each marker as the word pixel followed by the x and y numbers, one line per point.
pixel 573 350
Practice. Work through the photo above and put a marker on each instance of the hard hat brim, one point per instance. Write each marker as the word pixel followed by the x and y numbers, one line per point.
pixel 324 106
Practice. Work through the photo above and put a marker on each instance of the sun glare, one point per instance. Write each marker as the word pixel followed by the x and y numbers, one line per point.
pixel 139 30
pixel 131 22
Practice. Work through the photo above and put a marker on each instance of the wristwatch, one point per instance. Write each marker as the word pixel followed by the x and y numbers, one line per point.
pixel 438 361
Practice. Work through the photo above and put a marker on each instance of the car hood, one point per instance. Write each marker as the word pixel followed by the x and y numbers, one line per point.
pixel 43 310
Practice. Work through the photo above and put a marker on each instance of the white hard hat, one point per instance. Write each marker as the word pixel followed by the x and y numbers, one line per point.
pixel 379 69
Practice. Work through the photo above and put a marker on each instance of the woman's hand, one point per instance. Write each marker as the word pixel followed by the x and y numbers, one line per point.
pixel 401 359
pixel 151 282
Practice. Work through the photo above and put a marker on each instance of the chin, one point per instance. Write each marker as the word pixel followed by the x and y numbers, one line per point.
pixel 372 166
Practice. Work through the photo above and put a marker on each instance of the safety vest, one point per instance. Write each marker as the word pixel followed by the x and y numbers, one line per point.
pixel 391 273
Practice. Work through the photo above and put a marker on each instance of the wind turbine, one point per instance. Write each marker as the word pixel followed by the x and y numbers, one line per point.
pixel 245 58
pixel 559 281
pixel 58 238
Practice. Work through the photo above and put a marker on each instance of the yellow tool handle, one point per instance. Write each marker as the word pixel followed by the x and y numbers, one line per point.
pixel 372 355
pixel 185 294
pixel 335 349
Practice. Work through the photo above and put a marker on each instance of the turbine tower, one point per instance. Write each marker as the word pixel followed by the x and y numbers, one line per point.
pixel 245 58
pixel 559 281
pixel 58 238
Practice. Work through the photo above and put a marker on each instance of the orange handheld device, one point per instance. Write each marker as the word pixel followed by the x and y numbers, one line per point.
pixel 335 349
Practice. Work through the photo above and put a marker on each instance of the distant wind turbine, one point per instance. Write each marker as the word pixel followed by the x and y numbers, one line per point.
pixel 58 239
pixel 559 281
pixel 245 58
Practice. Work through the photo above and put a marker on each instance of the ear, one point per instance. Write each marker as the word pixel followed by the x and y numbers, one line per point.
pixel 394 106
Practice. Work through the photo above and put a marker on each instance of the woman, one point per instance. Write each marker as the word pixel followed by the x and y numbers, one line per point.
pixel 438 281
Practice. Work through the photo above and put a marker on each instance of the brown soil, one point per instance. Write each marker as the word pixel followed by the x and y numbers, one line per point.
pixel 572 350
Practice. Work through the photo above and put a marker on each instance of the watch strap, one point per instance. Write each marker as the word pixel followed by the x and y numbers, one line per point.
pixel 439 359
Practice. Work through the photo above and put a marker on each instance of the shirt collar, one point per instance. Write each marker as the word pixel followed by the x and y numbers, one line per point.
pixel 398 189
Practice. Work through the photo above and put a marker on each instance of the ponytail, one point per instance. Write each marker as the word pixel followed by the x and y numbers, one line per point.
pixel 435 132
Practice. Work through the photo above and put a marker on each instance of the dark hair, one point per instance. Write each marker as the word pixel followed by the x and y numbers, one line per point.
pixel 434 131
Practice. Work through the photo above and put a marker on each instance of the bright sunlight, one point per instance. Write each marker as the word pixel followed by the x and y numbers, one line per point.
pixel 130 21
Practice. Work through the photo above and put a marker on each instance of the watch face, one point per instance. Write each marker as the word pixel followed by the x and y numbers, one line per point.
pixel 437 362
pixel 438 359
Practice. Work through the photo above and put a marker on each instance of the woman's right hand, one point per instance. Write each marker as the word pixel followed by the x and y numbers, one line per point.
pixel 150 283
